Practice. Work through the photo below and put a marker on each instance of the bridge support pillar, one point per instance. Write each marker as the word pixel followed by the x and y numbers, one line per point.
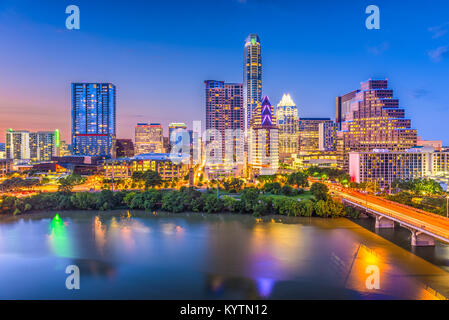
pixel 420 239
pixel 384 223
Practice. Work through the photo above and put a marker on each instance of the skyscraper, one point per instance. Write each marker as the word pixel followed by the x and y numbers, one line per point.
pixel 343 107
pixel 224 112
pixel 252 76
pixel 287 121
pixel 149 138
pixel 374 121
pixel 93 119
pixel 263 140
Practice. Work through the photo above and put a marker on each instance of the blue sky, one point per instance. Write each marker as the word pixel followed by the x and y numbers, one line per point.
pixel 158 53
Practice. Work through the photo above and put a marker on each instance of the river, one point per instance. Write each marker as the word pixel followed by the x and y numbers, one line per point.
pixel 141 255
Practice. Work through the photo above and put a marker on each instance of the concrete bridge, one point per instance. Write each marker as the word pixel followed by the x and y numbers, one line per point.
pixel 420 236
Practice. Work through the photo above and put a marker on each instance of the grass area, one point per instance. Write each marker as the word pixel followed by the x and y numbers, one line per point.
pixel 307 195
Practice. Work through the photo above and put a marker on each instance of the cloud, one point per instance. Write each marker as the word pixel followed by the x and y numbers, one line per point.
pixel 380 49
pixel 420 93
pixel 439 31
pixel 438 54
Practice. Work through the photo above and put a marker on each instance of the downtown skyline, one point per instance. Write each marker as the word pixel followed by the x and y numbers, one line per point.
pixel 156 85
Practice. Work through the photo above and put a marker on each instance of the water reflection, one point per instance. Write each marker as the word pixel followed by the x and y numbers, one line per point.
pixel 140 255
pixel 59 240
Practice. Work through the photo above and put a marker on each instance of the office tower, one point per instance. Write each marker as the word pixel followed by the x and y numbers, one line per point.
pixel 93 119
pixel 287 122
pixel 263 140
pixel 344 104
pixel 224 113
pixel 375 121
pixel 252 76
pixel 124 148
pixel 44 145
pixel 17 145
pixel 309 134
pixel 327 136
pixel 149 138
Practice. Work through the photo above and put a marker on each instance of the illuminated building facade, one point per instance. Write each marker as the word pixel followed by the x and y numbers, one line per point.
pixel 287 122
pixel 327 136
pixel 224 113
pixel 178 134
pixel 124 148
pixel 44 145
pixel 32 146
pixel 309 134
pixel 263 140
pixel 375 122
pixel 252 76
pixel 2 151
pixel 5 166
pixel 17 145
pixel 149 138
pixel 343 107
pixel 159 162
pixel 93 119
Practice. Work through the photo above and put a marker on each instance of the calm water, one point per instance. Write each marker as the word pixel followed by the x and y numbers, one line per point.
pixel 145 256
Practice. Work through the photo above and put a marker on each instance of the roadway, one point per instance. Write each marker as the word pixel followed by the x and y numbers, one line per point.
pixel 427 221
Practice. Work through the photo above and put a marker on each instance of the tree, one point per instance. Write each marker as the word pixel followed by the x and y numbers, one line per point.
pixel 152 179
pixel 319 191
pixel 298 179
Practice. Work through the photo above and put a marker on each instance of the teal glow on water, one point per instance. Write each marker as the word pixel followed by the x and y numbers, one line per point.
pixel 142 255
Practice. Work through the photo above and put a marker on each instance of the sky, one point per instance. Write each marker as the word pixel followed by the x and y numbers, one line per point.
pixel 158 54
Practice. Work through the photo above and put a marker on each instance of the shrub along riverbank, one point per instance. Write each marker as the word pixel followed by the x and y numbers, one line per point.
pixel 250 201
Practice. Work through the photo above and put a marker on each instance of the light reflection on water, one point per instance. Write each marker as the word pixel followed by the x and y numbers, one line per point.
pixel 137 255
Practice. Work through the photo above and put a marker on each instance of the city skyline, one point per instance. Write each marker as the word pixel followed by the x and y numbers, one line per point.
pixel 305 68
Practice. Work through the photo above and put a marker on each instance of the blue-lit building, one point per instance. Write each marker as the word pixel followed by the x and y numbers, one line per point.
pixel 252 76
pixel 93 119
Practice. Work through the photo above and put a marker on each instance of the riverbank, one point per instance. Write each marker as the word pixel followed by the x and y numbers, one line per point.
pixel 250 201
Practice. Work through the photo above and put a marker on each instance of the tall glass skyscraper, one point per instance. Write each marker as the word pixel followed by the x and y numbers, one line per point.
pixel 252 76
pixel 93 119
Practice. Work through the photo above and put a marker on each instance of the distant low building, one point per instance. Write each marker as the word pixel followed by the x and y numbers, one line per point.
pixel 436 144
pixel 5 166
pixel 160 162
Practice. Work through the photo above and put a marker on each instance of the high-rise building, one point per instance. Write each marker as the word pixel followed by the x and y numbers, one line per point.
pixel 149 138
pixel 263 140
pixel 327 136
pixel 33 146
pixel 309 134
pixel 252 76
pixel 124 148
pixel 344 104
pixel 375 121
pixel 177 133
pixel 17 145
pixel 44 145
pixel 93 119
pixel 287 122
pixel 224 113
